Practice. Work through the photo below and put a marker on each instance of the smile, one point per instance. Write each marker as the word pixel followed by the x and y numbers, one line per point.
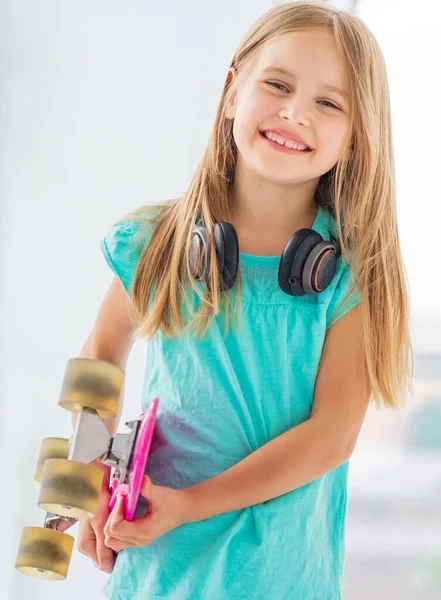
pixel 281 147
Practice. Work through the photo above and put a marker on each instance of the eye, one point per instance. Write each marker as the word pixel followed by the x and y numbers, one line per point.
pixel 274 83
pixel 330 104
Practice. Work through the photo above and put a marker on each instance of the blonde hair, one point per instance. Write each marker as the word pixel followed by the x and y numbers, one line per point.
pixel 359 191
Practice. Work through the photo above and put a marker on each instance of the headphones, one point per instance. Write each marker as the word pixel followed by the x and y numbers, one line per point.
pixel 307 264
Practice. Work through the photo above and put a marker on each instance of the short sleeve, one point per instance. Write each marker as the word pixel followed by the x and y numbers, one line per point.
pixel 122 245
pixel 344 285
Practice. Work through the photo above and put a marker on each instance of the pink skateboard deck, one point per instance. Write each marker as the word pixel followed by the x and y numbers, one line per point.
pixel 130 489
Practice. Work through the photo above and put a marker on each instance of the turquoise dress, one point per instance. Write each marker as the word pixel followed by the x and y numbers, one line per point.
pixel 222 398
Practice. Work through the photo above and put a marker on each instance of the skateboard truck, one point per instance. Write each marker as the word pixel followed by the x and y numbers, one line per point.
pixel 91 441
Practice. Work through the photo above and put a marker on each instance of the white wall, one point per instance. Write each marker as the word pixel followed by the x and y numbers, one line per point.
pixel 104 106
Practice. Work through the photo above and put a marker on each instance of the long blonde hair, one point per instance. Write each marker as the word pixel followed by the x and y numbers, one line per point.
pixel 359 191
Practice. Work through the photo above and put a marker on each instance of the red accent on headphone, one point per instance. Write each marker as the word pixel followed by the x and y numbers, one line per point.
pixel 318 270
pixel 196 273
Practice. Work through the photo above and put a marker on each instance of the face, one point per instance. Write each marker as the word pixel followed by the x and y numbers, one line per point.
pixel 297 101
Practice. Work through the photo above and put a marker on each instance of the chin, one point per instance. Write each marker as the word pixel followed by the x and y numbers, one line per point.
pixel 283 178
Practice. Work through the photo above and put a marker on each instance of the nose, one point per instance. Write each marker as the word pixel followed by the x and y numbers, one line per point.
pixel 296 109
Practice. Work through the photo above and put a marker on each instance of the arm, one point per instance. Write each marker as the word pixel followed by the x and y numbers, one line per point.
pixel 309 450
pixel 111 338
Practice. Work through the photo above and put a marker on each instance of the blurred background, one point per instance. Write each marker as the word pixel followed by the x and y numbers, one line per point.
pixel 105 106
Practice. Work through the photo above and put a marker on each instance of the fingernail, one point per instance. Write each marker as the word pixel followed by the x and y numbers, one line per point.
pixel 97 566
pixel 107 565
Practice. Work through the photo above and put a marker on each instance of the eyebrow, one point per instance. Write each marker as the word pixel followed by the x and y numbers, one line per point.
pixel 328 86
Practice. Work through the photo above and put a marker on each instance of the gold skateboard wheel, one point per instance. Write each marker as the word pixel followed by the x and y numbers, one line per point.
pixel 51 448
pixel 92 383
pixel 69 488
pixel 44 553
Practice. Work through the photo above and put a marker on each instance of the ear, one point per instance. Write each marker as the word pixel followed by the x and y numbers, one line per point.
pixel 230 109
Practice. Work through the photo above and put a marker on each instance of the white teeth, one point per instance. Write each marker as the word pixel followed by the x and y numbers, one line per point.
pixel 288 143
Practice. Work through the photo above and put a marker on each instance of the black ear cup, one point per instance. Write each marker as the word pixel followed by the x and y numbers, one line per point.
pixel 307 264
pixel 227 254
pixel 227 248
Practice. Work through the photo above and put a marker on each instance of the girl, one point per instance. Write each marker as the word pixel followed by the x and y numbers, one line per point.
pixel 273 298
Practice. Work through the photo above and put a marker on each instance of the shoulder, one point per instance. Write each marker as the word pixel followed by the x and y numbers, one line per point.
pixel 133 230
pixel 123 241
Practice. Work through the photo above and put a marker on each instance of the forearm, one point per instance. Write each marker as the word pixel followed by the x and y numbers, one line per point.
pixel 287 462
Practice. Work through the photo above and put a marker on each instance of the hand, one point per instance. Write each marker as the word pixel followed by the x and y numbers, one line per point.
pixel 168 508
pixel 90 539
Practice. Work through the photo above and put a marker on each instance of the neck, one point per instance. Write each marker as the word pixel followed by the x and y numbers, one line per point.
pixel 265 214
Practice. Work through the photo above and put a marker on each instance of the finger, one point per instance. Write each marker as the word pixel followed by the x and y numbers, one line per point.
pixel 125 530
pixel 146 486
pixel 117 545
pixel 87 541
pixel 116 517
pixel 106 556
pixel 118 512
